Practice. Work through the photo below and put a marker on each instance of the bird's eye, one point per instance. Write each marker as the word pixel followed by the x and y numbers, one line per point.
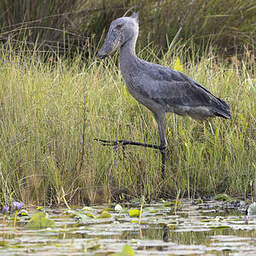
pixel 119 26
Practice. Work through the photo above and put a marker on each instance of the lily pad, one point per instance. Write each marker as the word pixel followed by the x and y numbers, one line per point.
pixel 40 220
pixel 23 213
pixel 127 251
pixel 222 197
pixel 104 215
pixel 171 203
pixel 211 226
pixel 134 213
pixel 199 201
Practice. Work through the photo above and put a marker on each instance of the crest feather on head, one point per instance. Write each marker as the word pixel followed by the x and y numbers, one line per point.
pixel 135 16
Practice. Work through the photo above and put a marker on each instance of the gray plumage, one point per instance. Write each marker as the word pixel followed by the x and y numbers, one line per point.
pixel 157 87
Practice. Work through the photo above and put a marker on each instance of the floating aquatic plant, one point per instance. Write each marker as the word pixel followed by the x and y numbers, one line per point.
pixel 104 214
pixel 40 220
pixel 222 197
pixel 126 251
pixel 23 212
pixel 134 213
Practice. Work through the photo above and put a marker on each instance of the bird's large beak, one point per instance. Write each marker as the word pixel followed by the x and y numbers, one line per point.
pixel 111 44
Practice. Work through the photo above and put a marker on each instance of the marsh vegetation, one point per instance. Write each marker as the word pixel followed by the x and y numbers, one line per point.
pixel 56 98
pixel 53 109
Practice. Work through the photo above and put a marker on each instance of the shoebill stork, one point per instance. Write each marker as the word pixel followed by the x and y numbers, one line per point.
pixel 157 87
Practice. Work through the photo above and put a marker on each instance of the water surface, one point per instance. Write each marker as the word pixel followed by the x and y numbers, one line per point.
pixel 209 228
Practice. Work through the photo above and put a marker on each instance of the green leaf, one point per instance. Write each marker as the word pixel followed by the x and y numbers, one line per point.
pixel 89 215
pixel 94 247
pixel 134 213
pixel 82 215
pixel 127 251
pixel 199 201
pixel 171 203
pixel 222 197
pixel 104 215
pixel 40 220
pixel 153 211
pixel 23 212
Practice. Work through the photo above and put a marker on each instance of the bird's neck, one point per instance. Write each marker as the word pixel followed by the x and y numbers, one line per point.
pixel 127 53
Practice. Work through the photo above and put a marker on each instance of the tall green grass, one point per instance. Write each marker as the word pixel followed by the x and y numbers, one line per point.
pixel 66 24
pixel 51 111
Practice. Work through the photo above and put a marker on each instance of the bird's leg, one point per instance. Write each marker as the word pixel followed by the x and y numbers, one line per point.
pixel 160 118
pixel 163 151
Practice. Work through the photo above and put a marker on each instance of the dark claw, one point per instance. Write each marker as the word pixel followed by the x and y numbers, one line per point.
pixel 99 56
pixel 107 142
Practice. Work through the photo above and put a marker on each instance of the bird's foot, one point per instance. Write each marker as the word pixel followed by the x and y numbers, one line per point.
pixel 109 142
pixel 126 142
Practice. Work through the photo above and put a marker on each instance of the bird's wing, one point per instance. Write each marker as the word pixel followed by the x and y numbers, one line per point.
pixel 171 87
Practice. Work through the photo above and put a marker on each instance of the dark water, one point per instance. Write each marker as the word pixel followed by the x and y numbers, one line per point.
pixel 194 229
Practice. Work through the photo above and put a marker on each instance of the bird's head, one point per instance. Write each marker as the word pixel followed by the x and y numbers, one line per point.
pixel 120 31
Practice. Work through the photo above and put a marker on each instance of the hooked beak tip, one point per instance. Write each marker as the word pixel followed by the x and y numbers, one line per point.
pixel 101 55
